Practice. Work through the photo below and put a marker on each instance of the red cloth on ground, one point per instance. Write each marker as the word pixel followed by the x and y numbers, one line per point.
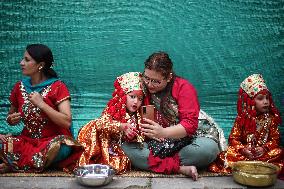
pixel 167 165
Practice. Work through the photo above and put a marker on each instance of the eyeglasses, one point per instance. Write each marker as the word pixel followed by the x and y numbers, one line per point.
pixel 154 82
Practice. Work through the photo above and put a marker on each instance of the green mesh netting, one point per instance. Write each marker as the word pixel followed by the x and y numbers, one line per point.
pixel 214 44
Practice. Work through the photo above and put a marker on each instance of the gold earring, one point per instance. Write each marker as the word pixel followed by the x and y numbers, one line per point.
pixel 170 77
pixel 39 68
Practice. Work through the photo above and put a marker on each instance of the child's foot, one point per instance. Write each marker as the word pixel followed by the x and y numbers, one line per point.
pixel 4 168
pixel 189 171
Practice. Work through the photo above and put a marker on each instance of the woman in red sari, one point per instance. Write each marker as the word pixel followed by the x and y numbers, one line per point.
pixel 255 134
pixel 42 103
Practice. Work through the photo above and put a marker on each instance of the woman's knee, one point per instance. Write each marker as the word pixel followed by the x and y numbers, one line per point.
pixel 132 149
pixel 200 153
pixel 138 156
pixel 208 146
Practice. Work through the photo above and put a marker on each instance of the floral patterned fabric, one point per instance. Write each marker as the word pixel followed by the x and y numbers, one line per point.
pixel 102 139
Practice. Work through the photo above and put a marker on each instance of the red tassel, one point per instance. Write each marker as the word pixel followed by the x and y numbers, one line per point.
pixel 240 102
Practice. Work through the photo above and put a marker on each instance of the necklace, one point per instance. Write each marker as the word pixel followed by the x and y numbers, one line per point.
pixel 263 129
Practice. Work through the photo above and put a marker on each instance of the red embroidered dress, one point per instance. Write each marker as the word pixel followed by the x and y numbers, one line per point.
pixel 40 140
pixel 267 135
pixel 102 139
pixel 252 128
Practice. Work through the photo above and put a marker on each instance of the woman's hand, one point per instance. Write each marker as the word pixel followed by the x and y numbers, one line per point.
pixel 61 117
pixel 152 130
pixel 129 130
pixel 3 138
pixel 14 118
pixel 36 99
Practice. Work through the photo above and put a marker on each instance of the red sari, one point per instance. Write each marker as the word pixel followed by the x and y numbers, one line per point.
pixel 40 140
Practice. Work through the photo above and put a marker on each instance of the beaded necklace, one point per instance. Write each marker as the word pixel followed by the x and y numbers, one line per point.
pixel 263 128
pixel 34 122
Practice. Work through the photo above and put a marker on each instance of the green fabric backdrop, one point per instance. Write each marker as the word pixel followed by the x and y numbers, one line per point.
pixel 214 44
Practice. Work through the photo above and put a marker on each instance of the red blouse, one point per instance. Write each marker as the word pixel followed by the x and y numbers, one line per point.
pixel 40 126
pixel 188 106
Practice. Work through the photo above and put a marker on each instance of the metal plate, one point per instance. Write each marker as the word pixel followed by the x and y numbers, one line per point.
pixel 94 174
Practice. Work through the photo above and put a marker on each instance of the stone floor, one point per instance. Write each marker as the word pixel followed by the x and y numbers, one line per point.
pixel 224 182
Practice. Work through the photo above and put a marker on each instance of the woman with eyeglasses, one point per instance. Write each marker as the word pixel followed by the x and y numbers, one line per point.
pixel 173 144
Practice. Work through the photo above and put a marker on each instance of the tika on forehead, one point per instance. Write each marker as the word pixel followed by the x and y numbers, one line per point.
pixel 253 84
pixel 130 82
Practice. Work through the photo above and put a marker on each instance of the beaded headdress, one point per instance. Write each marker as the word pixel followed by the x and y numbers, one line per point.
pixel 253 84
pixel 123 85
pixel 130 82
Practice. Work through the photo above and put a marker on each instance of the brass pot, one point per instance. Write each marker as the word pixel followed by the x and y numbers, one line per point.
pixel 255 173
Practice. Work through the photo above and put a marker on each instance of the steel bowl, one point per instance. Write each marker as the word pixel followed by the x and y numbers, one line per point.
pixel 94 174
pixel 255 173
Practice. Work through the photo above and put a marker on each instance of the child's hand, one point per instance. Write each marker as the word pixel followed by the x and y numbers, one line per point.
pixel 129 130
pixel 247 152
pixel 259 151
pixel 14 118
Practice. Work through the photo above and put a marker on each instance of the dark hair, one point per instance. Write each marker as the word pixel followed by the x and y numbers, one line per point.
pixel 160 62
pixel 41 53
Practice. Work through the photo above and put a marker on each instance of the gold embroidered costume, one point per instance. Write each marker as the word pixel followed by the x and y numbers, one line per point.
pixel 102 137
pixel 252 130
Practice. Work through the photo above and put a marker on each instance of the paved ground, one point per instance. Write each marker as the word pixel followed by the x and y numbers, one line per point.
pixel 127 183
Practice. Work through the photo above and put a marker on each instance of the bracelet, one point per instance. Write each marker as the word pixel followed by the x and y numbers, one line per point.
pixel 8 119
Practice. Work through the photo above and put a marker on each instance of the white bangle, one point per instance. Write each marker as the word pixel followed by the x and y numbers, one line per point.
pixel 7 119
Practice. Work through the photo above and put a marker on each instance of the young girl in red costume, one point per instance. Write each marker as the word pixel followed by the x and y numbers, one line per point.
pixel 255 134
pixel 119 121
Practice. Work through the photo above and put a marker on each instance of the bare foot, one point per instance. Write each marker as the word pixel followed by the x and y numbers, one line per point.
pixel 189 171
pixel 4 168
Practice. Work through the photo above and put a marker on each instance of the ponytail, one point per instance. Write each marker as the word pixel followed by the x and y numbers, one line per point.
pixel 49 72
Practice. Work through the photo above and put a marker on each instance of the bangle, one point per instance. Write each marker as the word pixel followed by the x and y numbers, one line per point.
pixel 8 119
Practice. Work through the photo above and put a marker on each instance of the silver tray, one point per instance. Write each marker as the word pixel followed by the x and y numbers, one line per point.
pixel 94 174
